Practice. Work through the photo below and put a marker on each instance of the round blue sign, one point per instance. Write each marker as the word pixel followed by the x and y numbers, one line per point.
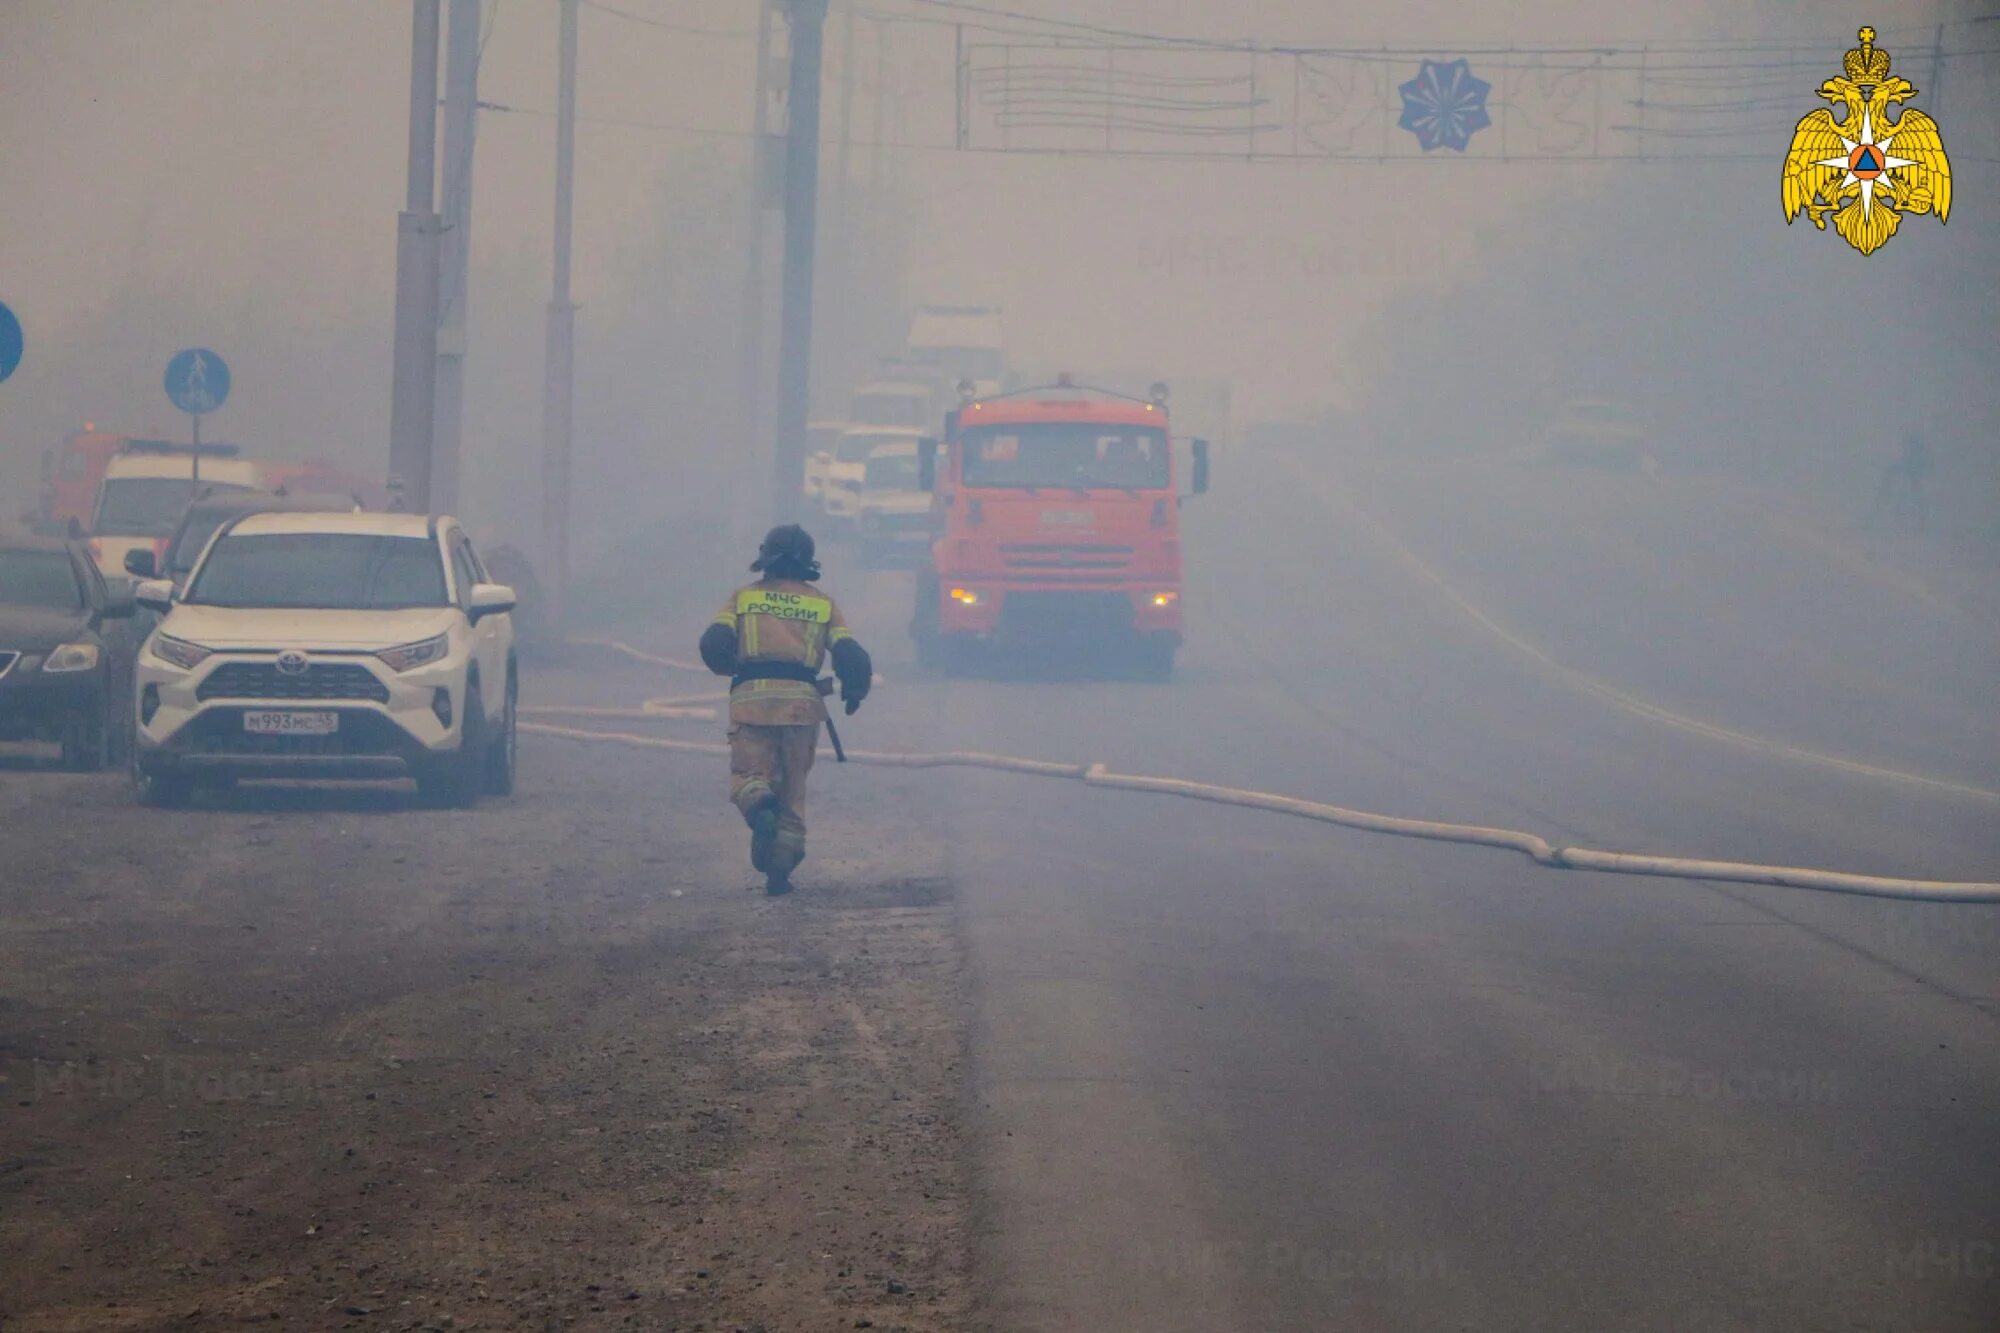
pixel 10 341
pixel 197 380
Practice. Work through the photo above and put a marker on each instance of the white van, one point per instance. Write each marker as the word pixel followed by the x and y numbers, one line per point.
pixel 144 493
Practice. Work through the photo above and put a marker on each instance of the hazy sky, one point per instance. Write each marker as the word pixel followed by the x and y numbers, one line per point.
pixel 166 164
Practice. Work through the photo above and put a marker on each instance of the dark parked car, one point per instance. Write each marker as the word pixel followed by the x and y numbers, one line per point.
pixel 66 651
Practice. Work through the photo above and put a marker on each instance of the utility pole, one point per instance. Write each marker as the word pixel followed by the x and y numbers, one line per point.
pixel 801 204
pixel 557 386
pixel 750 330
pixel 1937 74
pixel 875 118
pixel 413 391
pixel 461 109
pixel 843 189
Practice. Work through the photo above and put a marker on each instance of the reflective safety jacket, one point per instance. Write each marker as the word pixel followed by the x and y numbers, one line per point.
pixel 777 624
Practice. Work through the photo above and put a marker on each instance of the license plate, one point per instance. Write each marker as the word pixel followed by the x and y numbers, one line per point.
pixel 1067 518
pixel 272 723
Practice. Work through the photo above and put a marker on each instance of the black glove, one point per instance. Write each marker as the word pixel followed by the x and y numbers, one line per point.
pixel 856 671
pixel 718 649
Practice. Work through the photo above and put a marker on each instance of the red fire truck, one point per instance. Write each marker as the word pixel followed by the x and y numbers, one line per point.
pixel 71 473
pixel 1057 519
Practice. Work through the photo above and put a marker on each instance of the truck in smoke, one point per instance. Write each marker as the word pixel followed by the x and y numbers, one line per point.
pixel 1056 513
pixel 958 342
pixel 140 488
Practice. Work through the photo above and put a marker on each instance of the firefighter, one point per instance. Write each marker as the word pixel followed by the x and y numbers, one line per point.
pixel 771 638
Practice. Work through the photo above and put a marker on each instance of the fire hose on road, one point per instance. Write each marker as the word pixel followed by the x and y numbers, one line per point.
pixel 1531 845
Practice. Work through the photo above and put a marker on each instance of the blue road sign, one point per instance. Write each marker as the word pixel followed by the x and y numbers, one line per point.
pixel 197 381
pixel 10 341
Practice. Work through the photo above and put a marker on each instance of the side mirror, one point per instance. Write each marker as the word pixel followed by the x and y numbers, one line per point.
pixel 1201 467
pixel 951 423
pixel 140 564
pixel 118 602
pixel 489 599
pixel 156 595
pixel 927 449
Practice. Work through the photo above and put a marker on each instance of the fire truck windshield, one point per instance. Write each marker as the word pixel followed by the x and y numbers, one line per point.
pixel 1068 454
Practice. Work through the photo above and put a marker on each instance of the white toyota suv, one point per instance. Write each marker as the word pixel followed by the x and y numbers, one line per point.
pixel 329 645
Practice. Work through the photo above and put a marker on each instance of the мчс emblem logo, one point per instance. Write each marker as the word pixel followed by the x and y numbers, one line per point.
pixel 1863 169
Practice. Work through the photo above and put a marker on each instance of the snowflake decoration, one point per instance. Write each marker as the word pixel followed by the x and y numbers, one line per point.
pixel 1444 105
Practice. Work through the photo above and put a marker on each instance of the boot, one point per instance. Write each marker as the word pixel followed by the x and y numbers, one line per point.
pixel 784 859
pixel 763 821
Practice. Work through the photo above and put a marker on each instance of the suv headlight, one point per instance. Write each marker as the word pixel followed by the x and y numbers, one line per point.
pixel 72 657
pixel 187 656
pixel 410 656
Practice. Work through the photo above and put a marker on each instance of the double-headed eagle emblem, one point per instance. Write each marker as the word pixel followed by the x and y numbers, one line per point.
pixel 1863 169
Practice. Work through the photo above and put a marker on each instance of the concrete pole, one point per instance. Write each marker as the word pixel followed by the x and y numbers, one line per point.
pixel 1936 90
pixel 843 185
pixel 750 330
pixel 875 117
pixel 461 110
pixel 413 390
pixel 801 217
pixel 558 389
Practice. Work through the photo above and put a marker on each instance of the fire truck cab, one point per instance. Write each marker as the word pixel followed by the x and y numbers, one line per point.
pixel 1056 513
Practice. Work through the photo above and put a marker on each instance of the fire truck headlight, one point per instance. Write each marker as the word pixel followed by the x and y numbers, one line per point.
pixel 1165 598
pixel 965 596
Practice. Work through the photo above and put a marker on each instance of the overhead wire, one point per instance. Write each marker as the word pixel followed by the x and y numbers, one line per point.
pixel 668 25
pixel 1062 95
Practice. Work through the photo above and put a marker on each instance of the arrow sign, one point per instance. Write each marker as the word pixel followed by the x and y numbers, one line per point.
pixel 197 380
pixel 10 341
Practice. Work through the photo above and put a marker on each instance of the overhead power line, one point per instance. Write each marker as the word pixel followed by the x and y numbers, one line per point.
pixel 1051 26
pixel 668 25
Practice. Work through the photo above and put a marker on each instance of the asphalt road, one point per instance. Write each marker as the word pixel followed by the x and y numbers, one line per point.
pixel 1224 1070
pixel 1238 1072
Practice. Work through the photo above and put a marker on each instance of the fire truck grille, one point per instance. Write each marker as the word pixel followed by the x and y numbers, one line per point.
pixel 1062 556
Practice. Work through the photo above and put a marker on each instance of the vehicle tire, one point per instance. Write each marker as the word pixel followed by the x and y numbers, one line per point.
pixel 120 727
pixel 924 623
pixel 501 753
pixel 453 780
pixel 951 655
pixel 86 744
pixel 1156 659
pixel 161 789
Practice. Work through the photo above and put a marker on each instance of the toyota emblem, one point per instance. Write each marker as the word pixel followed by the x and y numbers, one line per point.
pixel 292 662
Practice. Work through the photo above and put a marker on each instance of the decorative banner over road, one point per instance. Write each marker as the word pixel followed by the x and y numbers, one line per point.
pixel 1663 101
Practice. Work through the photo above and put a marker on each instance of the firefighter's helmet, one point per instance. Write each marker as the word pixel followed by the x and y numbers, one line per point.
pixel 787 552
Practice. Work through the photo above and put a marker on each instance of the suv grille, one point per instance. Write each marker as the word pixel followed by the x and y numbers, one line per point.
pixel 320 680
